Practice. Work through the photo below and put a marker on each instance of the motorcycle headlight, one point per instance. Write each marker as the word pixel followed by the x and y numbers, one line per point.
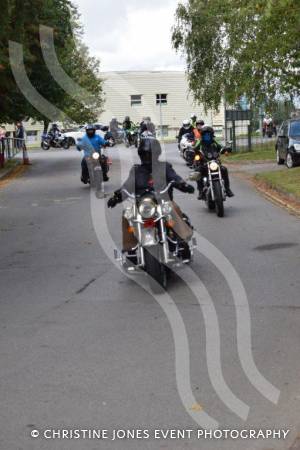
pixel 166 208
pixel 213 166
pixel 96 156
pixel 128 213
pixel 147 208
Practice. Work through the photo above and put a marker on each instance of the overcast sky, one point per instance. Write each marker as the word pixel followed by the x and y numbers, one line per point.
pixel 130 34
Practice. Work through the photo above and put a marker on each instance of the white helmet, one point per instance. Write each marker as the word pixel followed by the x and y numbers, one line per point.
pixel 186 124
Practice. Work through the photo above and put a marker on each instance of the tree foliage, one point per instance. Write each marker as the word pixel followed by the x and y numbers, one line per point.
pixel 237 47
pixel 21 24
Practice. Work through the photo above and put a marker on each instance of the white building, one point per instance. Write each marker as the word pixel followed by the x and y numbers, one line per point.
pixel 162 95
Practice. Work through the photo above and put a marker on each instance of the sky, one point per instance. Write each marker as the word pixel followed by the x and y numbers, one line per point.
pixel 130 34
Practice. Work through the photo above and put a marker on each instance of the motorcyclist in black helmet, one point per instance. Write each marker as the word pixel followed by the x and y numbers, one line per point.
pixel 91 143
pixel 54 133
pixel 156 175
pixel 209 146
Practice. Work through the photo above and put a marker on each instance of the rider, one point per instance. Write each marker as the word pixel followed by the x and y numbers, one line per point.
pixel 128 125
pixel 114 127
pixel 197 130
pixel 54 132
pixel 193 119
pixel 147 126
pixel 153 173
pixel 186 128
pixel 208 145
pixel 91 143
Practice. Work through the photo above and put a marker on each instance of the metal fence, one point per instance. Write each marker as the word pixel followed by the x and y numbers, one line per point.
pixel 9 148
pixel 245 137
pixel 247 129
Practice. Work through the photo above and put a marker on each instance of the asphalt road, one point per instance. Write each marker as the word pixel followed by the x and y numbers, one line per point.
pixel 83 347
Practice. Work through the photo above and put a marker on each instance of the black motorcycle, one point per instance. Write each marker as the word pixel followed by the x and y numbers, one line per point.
pixel 214 193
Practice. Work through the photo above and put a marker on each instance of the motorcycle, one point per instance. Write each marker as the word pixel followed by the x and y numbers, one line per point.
pixel 95 172
pixel 131 137
pixel 186 148
pixel 151 221
pixel 214 193
pixel 48 141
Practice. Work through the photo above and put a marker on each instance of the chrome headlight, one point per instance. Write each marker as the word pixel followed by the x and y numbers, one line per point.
pixel 96 156
pixel 213 166
pixel 147 208
pixel 128 213
pixel 166 208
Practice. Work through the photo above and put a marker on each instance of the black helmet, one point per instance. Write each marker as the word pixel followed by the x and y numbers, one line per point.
pixel 90 130
pixel 208 135
pixel 200 122
pixel 149 150
pixel 127 119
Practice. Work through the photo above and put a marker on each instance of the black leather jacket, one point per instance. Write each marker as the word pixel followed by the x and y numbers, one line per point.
pixel 144 176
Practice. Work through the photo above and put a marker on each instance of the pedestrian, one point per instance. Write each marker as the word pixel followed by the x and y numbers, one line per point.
pixel 2 145
pixel 20 135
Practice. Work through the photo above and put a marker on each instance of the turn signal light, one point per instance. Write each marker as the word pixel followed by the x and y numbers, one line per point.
pixel 170 224
pixel 130 230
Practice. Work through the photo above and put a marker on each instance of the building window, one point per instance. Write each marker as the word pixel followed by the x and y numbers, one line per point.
pixel 161 99
pixel 136 100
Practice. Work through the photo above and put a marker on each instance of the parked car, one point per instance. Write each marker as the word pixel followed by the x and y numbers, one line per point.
pixel 78 133
pixel 288 143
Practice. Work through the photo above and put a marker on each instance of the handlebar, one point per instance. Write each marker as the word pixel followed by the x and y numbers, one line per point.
pixel 133 196
pixel 128 194
pixel 167 188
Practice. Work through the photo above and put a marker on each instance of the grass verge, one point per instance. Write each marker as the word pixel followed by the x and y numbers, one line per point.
pixel 257 154
pixel 284 182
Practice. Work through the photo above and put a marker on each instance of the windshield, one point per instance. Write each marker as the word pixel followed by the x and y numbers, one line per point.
pixel 295 129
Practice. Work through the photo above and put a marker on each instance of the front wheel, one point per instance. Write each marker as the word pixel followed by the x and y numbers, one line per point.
pixel 218 199
pixel 45 145
pixel 66 144
pixel 155 269
pixel 289 161
pixel 279 160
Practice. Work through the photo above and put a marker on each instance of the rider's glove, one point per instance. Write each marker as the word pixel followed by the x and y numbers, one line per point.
pixel 115 199
pixel 190 189
pixel 112 202
pixel 184 187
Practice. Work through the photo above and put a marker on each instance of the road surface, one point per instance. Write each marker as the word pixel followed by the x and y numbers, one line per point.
pixel 84 347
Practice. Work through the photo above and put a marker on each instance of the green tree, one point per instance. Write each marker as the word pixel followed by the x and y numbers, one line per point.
pixel 22 23
pixel 237 47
